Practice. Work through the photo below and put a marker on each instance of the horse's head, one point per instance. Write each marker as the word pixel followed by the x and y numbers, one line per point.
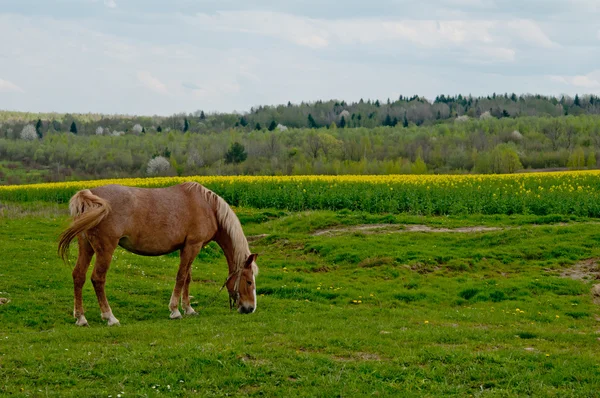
pixel 242 287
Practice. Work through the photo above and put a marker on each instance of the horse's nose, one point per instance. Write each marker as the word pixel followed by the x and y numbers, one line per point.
pixel 246 310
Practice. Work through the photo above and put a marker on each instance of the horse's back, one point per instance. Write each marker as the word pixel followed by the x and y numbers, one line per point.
pixel 155 220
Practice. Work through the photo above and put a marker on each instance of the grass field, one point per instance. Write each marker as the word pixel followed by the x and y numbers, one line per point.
pixel 350 304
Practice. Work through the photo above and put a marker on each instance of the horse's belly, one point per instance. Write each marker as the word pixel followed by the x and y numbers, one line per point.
pixel 148 246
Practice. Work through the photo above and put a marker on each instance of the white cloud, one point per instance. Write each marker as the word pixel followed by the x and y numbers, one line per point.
pixel 6 86
pixel 151 82
pixel 590 81
pixel 531 32
pixel 110 3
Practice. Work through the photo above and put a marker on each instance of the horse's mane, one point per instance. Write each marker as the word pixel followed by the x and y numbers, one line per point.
pixel 228 221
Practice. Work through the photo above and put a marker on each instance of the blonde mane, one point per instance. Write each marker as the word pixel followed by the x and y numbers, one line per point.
pixel 229 222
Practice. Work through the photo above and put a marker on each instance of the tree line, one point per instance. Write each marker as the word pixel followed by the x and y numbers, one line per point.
pixel 460 145
pixel 402 111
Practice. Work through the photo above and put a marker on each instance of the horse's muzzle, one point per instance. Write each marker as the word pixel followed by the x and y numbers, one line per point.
pixel 246 309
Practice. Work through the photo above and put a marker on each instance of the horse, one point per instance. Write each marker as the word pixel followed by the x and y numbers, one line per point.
pixel 153 222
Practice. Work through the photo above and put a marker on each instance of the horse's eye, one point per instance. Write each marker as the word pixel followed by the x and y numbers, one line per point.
pixel 249 283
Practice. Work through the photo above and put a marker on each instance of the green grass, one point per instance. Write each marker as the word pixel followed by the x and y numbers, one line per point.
pixel 439 313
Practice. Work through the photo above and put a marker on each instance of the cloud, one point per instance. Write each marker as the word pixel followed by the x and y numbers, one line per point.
pixel 6 86
pixel 191 86
pixel 531 32
pixel 110 3
pixel 151 82
pixel 590 81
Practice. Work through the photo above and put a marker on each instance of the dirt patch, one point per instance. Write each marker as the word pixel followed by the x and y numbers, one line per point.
pixel 400 228
pixel 596 294
pixel 4 300
pixel 254 238
pixel 583 270
pixel 357 356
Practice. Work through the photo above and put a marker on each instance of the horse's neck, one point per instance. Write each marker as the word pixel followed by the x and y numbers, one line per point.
pixel 232 254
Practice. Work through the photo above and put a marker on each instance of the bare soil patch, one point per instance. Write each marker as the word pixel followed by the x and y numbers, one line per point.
pixel 583 270
pixel 400 228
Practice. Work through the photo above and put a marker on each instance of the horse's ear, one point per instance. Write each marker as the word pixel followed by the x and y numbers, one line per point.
pixel 250 260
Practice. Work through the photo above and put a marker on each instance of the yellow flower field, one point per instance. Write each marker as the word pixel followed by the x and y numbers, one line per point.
pixel 575 192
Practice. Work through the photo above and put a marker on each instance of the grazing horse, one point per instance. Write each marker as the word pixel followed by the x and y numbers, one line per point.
pixel 152 222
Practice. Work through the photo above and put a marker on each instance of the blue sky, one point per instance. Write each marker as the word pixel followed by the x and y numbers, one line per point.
pixel 162 57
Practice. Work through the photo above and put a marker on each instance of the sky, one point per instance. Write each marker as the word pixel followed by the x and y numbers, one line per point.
pixel 161 57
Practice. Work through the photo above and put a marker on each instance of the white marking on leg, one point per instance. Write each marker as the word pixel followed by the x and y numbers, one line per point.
pixel 108 316
pixel 175 314
pixel 190 311
pixel 81 321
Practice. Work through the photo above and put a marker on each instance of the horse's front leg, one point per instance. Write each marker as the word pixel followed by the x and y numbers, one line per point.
pixel 187 255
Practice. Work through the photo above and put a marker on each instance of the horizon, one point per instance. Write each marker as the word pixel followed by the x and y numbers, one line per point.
pixel 249 111
pixel 133 57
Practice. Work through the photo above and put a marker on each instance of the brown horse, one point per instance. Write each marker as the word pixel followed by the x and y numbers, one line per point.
pixel 152 222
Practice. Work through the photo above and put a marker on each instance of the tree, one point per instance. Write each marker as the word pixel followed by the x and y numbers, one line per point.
pixel 272 126
pixel 591 160
pixel 236 153
pixel 186 125
pixel 576 102
pixel 38 129
pixel 405 122
pixel 137 128
pixel 99 130
pixel 258 127
pixel 576 159
pixel 243 121
pixel 202 115
pixel 159 129
pixel 388 120
pixel 342 122
pixel 158 165
pixel 28 133
pixel 311 122
pixel 73 128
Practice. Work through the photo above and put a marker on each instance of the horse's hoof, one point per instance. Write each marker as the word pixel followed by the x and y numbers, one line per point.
pixel 191 312
pixel 175 315
pixel 81 321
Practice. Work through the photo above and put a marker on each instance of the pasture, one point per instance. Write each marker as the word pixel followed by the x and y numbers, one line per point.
pixel 350 302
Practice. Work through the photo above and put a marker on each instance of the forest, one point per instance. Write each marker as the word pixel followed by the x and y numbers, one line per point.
pixel 494 134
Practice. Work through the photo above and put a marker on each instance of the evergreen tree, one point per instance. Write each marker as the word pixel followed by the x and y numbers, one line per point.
pixel 388 120
pixel 236 153
pixel 342 122
pixel 405 122
pixel 144 130
pixel 159 129
pixel 257 127
pixel 73 128
pixel 272 126
pixel 243 121
pixel 311 122
pixel 38 128
pixel 202 115
pixel 576 102
pixel 186 125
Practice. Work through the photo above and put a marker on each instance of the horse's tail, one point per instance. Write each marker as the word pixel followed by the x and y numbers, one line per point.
pixel 87 211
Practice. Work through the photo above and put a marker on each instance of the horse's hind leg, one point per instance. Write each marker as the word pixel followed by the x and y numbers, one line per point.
pixel 79 272
pixel 104 250
pixel 187 256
